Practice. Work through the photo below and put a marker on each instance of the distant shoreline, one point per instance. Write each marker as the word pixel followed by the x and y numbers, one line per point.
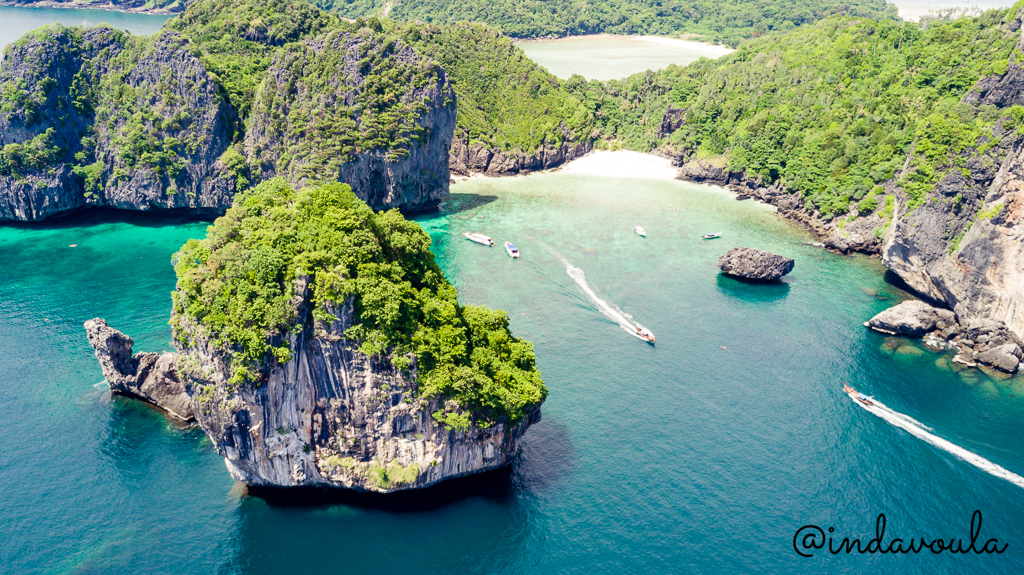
pixel 98 6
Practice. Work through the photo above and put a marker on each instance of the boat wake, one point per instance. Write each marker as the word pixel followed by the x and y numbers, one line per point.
pixel 915 428
pixel 610 310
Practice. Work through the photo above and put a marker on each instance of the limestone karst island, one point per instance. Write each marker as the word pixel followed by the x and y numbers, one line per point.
pixel 513 286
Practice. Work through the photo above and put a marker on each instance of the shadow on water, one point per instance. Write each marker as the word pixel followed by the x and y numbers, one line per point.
pixel 546 458
pixel 457 203
pixel 494 486
pixel 751 290
pixel 136 432
pixel 98 216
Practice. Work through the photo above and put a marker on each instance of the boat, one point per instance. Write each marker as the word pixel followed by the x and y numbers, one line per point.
pixel 640 231
pixel 513 252
pixel 711 236
pixel 646 334
pixel 479 238
pixel 866 400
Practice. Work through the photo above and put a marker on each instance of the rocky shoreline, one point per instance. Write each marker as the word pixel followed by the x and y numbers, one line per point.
pixel 469 159
pixel 977 342
pixel 855 237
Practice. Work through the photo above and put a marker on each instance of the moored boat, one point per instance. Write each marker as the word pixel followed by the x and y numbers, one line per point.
pixel 511 250
pixel 479 238
pixel 711 236
pixel 640 231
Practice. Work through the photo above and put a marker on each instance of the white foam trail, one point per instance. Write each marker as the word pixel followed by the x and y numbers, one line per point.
pixel 610 310
pixel 913 427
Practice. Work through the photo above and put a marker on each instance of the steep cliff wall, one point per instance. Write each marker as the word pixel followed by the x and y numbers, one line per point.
pixel 361 108
pixel 318 343
pixel 333 416
pixel 96 117
pixel 100 118
pixel 963 246
pixel 477 158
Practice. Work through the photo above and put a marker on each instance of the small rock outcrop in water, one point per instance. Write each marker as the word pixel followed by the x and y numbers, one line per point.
pixel 912 318
pixel 150 376
pixel 752 264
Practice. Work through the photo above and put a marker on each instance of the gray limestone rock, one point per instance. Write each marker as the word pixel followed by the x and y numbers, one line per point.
pixel 753 264
pixel 89 126
pixel 466 159
pixel 912 318
pixel 1004 358
pixel 333 416
pixel 149 376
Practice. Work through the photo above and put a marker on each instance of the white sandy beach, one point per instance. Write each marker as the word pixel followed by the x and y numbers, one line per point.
pixel 622 164
pixel 709 50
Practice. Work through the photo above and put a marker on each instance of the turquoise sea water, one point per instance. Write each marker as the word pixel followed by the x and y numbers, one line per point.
pixel 685 457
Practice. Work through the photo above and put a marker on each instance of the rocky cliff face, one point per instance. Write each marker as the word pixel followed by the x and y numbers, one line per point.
pixel 964 247
pixel 467 159
pixel 96 117
pixel 326 113
pixel 152 377
pixel 331 416
pixel 100 118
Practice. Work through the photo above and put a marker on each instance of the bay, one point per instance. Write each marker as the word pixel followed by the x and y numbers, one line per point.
pixel 609 57
pixel 704 453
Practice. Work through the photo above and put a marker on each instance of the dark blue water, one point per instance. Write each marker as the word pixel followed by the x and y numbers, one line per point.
pixel 685 457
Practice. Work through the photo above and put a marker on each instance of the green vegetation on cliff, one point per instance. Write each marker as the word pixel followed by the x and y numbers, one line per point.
pixel 721 21
pixel 237 285
pixel 238 38
pixel 505 100
pixel 830 110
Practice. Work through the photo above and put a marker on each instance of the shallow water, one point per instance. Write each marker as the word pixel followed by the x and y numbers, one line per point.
pixel 675 458
pixel 18 20
pixel 608 57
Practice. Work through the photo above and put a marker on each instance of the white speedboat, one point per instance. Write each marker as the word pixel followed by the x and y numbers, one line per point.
pixel 646 334
pixel 640 231
pixel 479 238
pixel 513 251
